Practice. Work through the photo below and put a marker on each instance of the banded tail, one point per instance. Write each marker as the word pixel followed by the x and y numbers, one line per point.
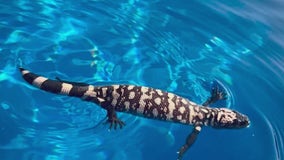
pixel 53 86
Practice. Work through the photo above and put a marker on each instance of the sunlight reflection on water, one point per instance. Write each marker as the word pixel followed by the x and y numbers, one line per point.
pixel 166 45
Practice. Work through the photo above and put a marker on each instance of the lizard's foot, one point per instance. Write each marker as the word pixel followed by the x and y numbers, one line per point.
pixel 114 122
pixel 189 141
pixel 216 95
pixel 181 151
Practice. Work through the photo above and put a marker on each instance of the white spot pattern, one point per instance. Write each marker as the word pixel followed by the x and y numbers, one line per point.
pixel 145 96
pixel 142 103
pixel 131 95
pixel 171 107
pixel 192 114
pixel 104 90
pixel 159 92
pixel 25 72
pixel 90 92
pixel 204 110
pixel 101 100
pixel 130 87
pixel 155 112
pixel 38 81
pixel 114 101
pixel 170 96
pixel 127 105
pixel 192 103
pixel 66 88
pixel 181 109
pixel 115 87
pixel 198 128
pixel 183 101
pixel 158 101
pixel 140 109
pixel 115 94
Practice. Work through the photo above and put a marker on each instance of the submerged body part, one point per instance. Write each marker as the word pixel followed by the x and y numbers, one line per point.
pixel 146 102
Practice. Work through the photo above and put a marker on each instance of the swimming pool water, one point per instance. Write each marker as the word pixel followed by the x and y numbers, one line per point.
pixel 181 46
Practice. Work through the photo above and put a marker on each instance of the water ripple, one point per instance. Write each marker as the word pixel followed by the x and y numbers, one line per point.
pixel 181 47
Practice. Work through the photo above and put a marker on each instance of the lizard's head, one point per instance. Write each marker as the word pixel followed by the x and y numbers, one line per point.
pixel 227 118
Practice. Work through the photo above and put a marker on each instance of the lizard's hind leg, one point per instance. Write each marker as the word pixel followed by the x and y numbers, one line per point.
pixel 189 141
pixel 113 120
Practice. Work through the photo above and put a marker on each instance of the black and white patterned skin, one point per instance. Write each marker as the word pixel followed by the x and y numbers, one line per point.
pixel 143 101
pixel 146 102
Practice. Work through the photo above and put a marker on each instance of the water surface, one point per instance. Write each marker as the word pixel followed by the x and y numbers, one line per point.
pixel 179 46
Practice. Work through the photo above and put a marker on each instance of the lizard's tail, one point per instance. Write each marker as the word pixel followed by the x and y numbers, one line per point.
pixel 53 86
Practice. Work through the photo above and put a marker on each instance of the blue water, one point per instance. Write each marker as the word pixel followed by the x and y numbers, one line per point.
pixel 179 46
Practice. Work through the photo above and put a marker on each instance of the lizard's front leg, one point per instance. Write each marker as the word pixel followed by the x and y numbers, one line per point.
pixel 216 95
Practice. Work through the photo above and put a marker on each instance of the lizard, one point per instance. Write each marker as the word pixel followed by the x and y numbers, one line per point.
pixel 146 102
